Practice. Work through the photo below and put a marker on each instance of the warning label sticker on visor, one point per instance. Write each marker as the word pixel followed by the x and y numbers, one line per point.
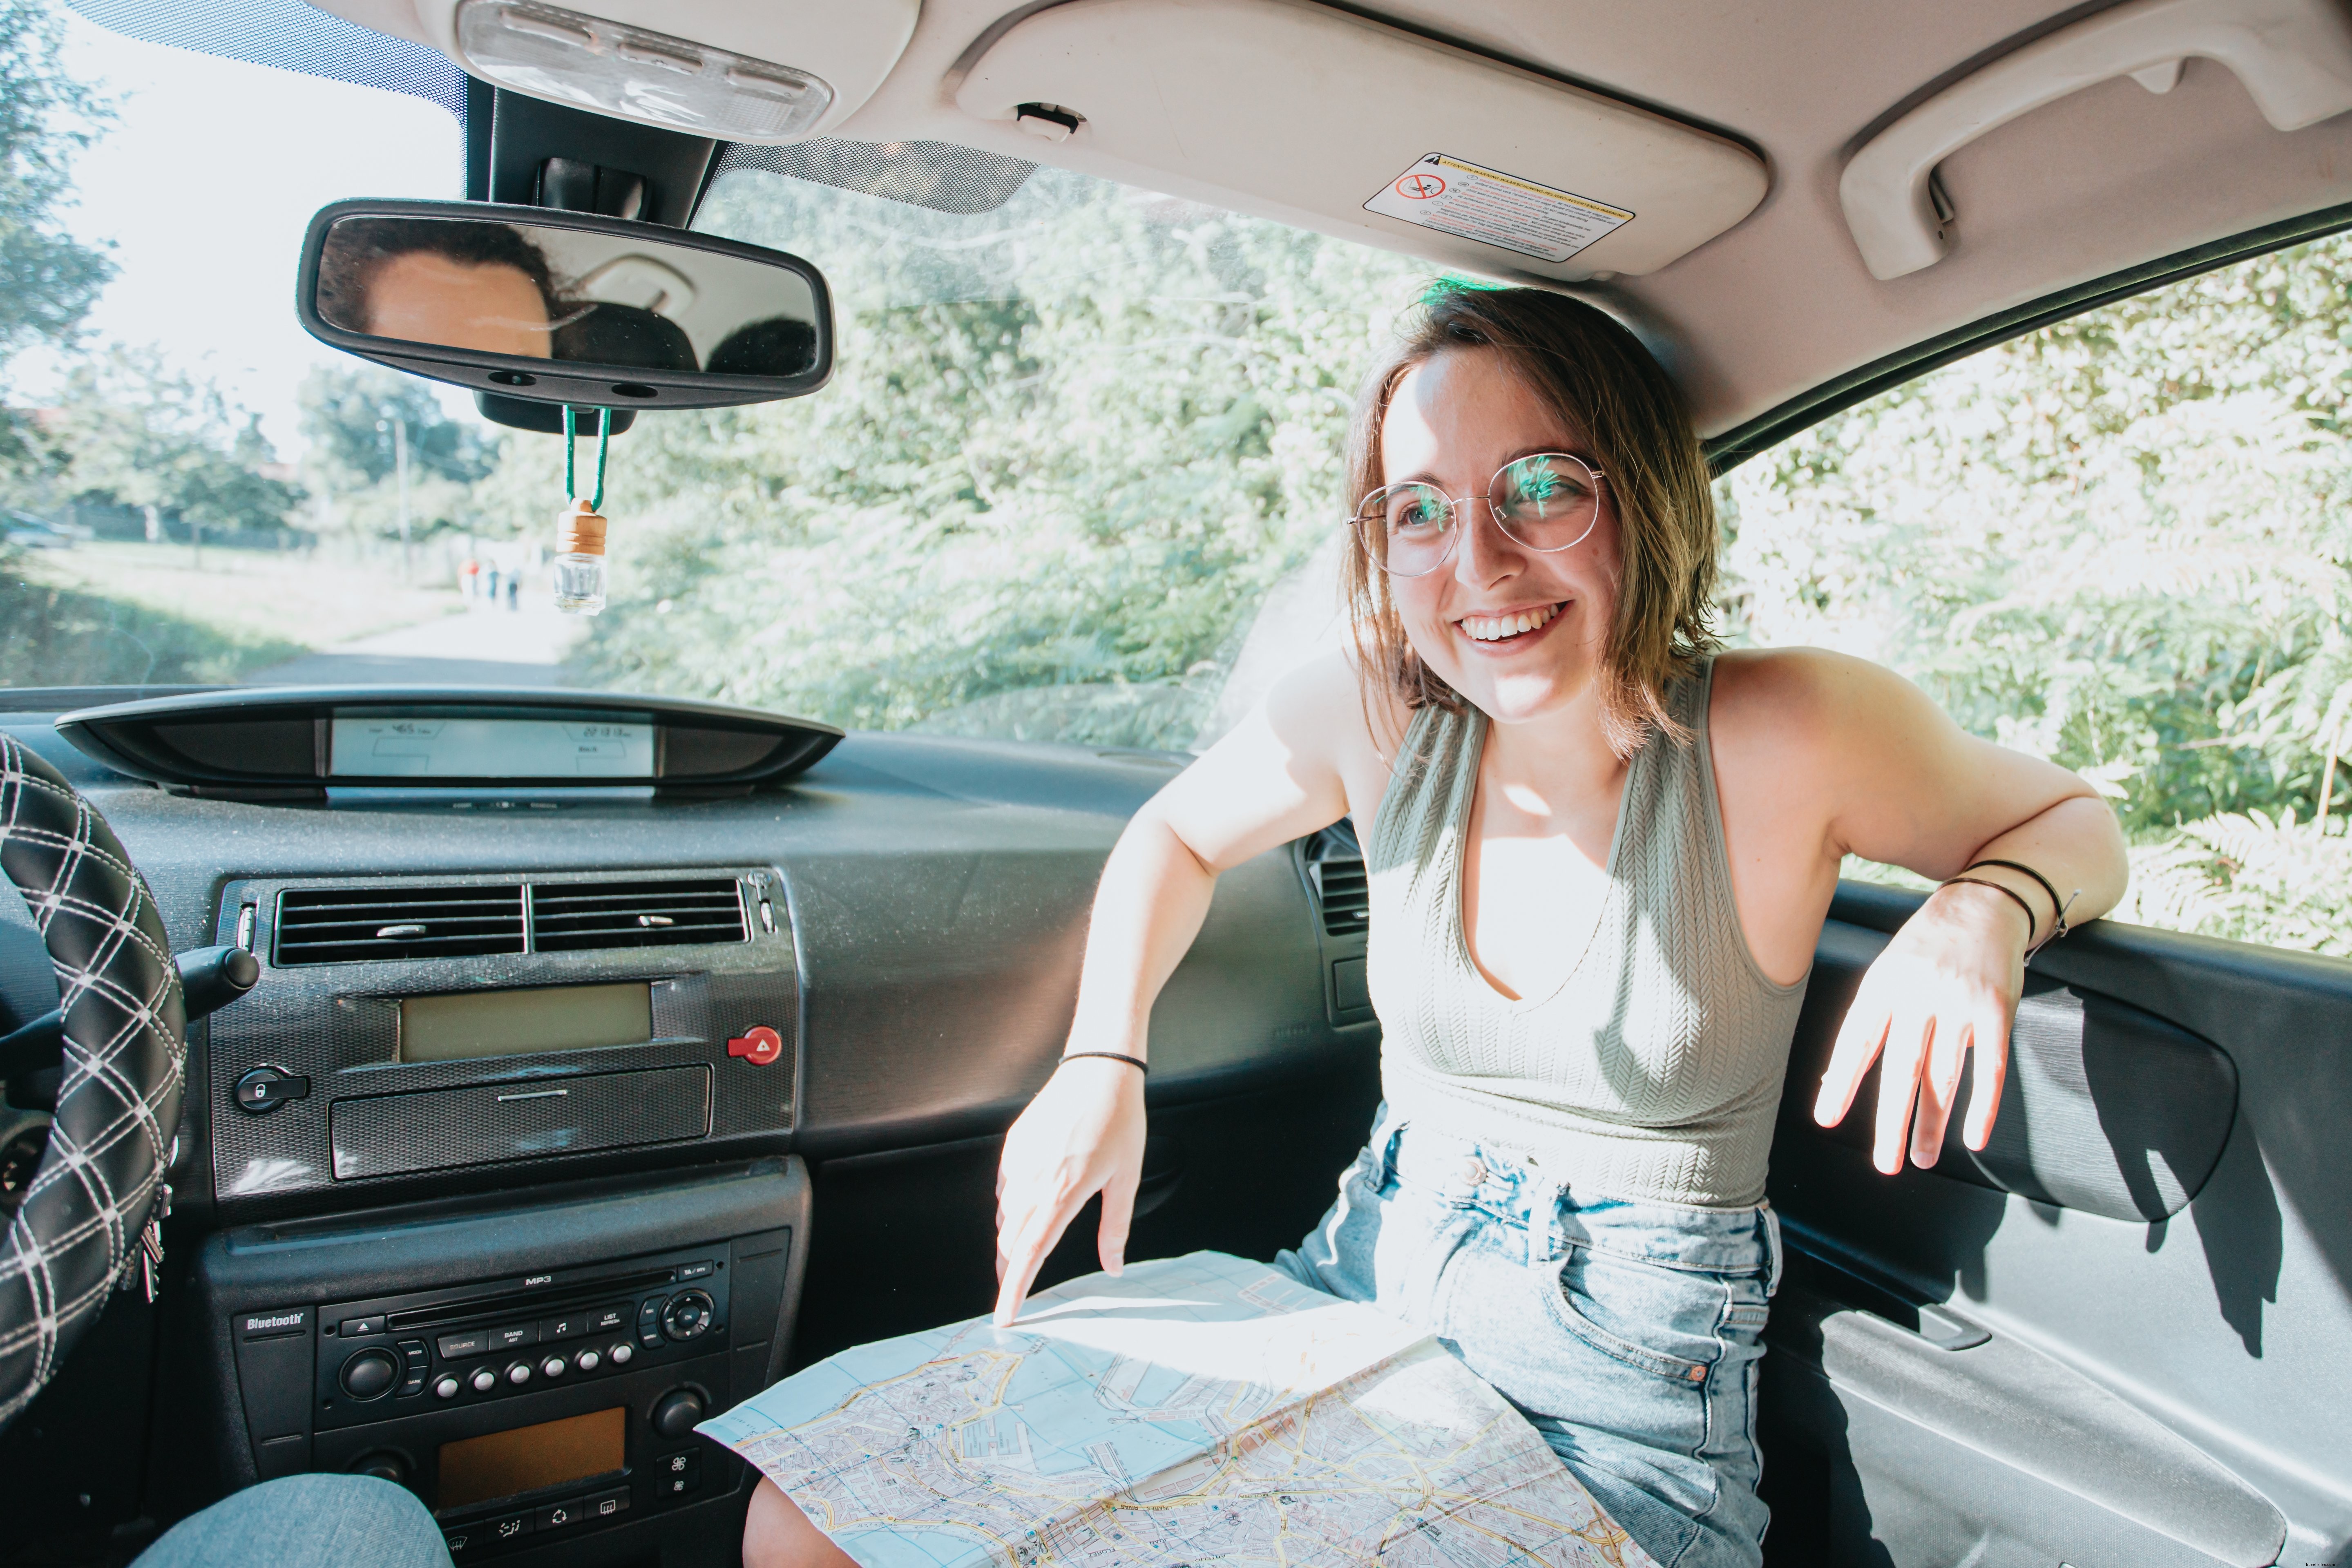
pixel 1495 208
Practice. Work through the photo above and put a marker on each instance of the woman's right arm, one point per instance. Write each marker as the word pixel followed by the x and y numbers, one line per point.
pixel 1279 774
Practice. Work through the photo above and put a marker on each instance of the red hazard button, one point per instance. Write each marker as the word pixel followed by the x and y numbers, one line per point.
pixel 759 1047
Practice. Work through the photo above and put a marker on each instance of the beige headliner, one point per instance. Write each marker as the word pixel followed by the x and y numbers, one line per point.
pixel 2107 179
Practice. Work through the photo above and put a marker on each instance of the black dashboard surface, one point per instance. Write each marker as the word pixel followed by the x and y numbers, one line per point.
pixel 937 892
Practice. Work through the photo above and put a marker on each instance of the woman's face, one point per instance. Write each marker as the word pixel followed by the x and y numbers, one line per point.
pixel 1455 419
pixel 425 298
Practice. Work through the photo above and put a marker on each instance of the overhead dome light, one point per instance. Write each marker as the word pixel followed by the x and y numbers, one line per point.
pixel 549 52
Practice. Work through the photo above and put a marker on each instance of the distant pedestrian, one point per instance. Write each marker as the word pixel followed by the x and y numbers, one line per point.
pixel 514 591
pixel 494 584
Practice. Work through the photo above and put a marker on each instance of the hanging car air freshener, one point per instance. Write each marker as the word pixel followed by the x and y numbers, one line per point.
pixel 579 531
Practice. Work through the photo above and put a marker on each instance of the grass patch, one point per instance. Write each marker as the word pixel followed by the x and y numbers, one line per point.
pixel 52 636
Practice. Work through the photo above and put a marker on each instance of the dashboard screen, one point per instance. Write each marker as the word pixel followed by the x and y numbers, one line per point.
pixel 517 1023
pixel 383 743
pixel 551 1454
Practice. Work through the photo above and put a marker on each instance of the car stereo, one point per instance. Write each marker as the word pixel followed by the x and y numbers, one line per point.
pixel 526 1410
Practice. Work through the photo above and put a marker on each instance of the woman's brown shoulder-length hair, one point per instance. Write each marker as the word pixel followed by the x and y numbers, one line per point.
pixel 1606 388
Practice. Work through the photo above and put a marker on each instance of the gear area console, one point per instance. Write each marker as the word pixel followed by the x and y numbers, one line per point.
pixel 543 1413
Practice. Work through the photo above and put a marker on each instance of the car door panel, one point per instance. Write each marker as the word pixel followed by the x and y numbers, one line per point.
pixel 2161 1313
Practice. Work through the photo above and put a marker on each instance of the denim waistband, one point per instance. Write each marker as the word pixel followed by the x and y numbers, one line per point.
pixel 1511 1188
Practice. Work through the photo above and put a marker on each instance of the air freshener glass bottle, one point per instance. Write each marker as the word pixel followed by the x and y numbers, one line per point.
pixel 580 561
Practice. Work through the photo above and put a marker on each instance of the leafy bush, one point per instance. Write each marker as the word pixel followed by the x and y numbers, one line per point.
pixel 2120 543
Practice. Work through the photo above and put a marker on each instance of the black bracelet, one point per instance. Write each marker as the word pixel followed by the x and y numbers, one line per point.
pixel 2014 896
pixel 1137 1063
pixel 2058 910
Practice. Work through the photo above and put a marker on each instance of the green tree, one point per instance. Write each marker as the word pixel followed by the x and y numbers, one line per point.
pixel 2121 542
pixel 132 431
pixel 348 416
pixel 48 279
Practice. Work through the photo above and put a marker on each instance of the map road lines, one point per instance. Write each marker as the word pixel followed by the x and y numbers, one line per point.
pixel 1198 1410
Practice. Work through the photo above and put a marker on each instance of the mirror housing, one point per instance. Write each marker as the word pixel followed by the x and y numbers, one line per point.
pixel 544 306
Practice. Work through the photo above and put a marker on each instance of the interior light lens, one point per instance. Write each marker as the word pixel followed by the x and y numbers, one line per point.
pixel 549 52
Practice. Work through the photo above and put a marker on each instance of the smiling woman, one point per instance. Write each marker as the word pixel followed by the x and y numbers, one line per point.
pixel 1600 856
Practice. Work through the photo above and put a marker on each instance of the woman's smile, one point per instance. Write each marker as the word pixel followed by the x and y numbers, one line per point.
pixel 1509 629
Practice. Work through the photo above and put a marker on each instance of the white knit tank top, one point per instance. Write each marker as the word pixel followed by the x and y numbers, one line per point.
pixel 1653 1071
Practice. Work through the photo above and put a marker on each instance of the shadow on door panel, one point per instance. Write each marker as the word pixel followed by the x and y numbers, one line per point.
pixel 2117 1336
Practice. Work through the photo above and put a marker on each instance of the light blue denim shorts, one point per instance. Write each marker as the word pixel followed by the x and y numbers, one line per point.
pixel 1629 1333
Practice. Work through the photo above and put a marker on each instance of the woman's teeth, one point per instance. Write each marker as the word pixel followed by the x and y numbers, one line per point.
pixel 1495 628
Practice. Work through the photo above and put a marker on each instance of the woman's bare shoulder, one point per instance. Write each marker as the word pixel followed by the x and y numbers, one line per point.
pixel 1775 686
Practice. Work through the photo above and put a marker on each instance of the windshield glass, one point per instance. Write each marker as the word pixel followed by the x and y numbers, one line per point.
pixel 1076 433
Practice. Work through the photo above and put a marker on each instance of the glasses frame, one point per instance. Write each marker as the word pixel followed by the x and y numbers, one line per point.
pixel 1369 512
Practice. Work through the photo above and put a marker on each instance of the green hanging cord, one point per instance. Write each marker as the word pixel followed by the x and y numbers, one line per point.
pixel 604 444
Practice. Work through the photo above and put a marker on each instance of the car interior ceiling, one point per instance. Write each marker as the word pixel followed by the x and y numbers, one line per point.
pixel 2114 1337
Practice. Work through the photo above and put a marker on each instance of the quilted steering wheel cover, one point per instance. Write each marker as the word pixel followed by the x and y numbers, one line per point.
pixel 125 1063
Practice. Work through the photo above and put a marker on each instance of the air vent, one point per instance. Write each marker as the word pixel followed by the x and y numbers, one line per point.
pixel 339 925
pixel 568 916
pixel 1335 869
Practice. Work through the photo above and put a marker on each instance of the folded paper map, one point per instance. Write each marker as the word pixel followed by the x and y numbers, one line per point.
pixel 1200 1410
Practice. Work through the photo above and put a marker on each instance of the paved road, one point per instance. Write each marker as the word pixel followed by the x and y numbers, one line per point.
pixel 478 646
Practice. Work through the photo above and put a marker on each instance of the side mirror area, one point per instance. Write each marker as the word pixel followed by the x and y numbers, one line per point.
pixel 535 305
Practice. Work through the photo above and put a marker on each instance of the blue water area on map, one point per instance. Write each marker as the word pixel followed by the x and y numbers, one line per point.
pixel 910 1547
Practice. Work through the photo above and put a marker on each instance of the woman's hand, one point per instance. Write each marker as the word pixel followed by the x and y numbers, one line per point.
pixel 1947 983
pixel 1082 1135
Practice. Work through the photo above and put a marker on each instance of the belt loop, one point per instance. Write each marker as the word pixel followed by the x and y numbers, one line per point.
pixel 1773 1248
pixel 1543 1214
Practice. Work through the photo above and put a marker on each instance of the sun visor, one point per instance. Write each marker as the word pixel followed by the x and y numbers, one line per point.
pixel 1376 133
pixel 772 73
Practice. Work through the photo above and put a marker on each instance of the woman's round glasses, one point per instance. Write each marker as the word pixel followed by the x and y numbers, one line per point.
pixel 1546 502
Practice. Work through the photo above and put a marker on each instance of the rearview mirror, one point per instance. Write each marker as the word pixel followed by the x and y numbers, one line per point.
pixel 555 306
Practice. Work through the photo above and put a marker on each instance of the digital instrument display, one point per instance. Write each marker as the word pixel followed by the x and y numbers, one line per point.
pixel 380 744
pixel 551 1454
pixel 518 1023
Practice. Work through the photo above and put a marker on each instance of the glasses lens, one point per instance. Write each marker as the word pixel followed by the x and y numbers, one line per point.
pixel 1547 501
pixel 1407 529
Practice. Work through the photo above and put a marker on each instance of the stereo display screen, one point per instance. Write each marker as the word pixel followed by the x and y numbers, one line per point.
pixel 519 1023
pixel 383 743
pixel 551 1454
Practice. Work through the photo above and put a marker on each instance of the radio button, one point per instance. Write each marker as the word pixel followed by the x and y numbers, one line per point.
pixel 604 1319
pixel 514 1336
pixel 355 1327
pixel 554 1366
pixel 700 1270
pixel 570 1326
pixel 587 1361
pixel 455 1347
pixel 446 1386
pixel 518 1373
pixel 621 1354
pixel 484 1379
pixel 688 1315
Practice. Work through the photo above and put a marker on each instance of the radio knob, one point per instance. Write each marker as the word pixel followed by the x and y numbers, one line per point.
pixel 446 1386
pixel 587 1361
pixel 369 1373
pixel 676 1411
pixel 484 1379
pixel 518 1373
pixel 383 1465
pixel 553 1366
pixel 621 1354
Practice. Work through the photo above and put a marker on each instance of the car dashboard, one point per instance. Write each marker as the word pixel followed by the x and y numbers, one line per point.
pixel 562 1117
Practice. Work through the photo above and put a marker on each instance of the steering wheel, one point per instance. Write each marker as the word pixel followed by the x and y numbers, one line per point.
pixel 126 1058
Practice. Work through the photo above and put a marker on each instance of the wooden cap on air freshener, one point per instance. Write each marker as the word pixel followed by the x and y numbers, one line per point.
pixel 579 531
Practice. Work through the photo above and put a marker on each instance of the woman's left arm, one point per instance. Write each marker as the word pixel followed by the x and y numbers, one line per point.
pixel 1913 789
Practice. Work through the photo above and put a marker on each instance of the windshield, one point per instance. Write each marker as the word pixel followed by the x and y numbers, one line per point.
pixel 1076 433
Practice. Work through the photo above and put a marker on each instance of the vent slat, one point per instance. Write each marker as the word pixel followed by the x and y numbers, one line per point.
pixel 1343 894
pixel 339 925
pixel 572 917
